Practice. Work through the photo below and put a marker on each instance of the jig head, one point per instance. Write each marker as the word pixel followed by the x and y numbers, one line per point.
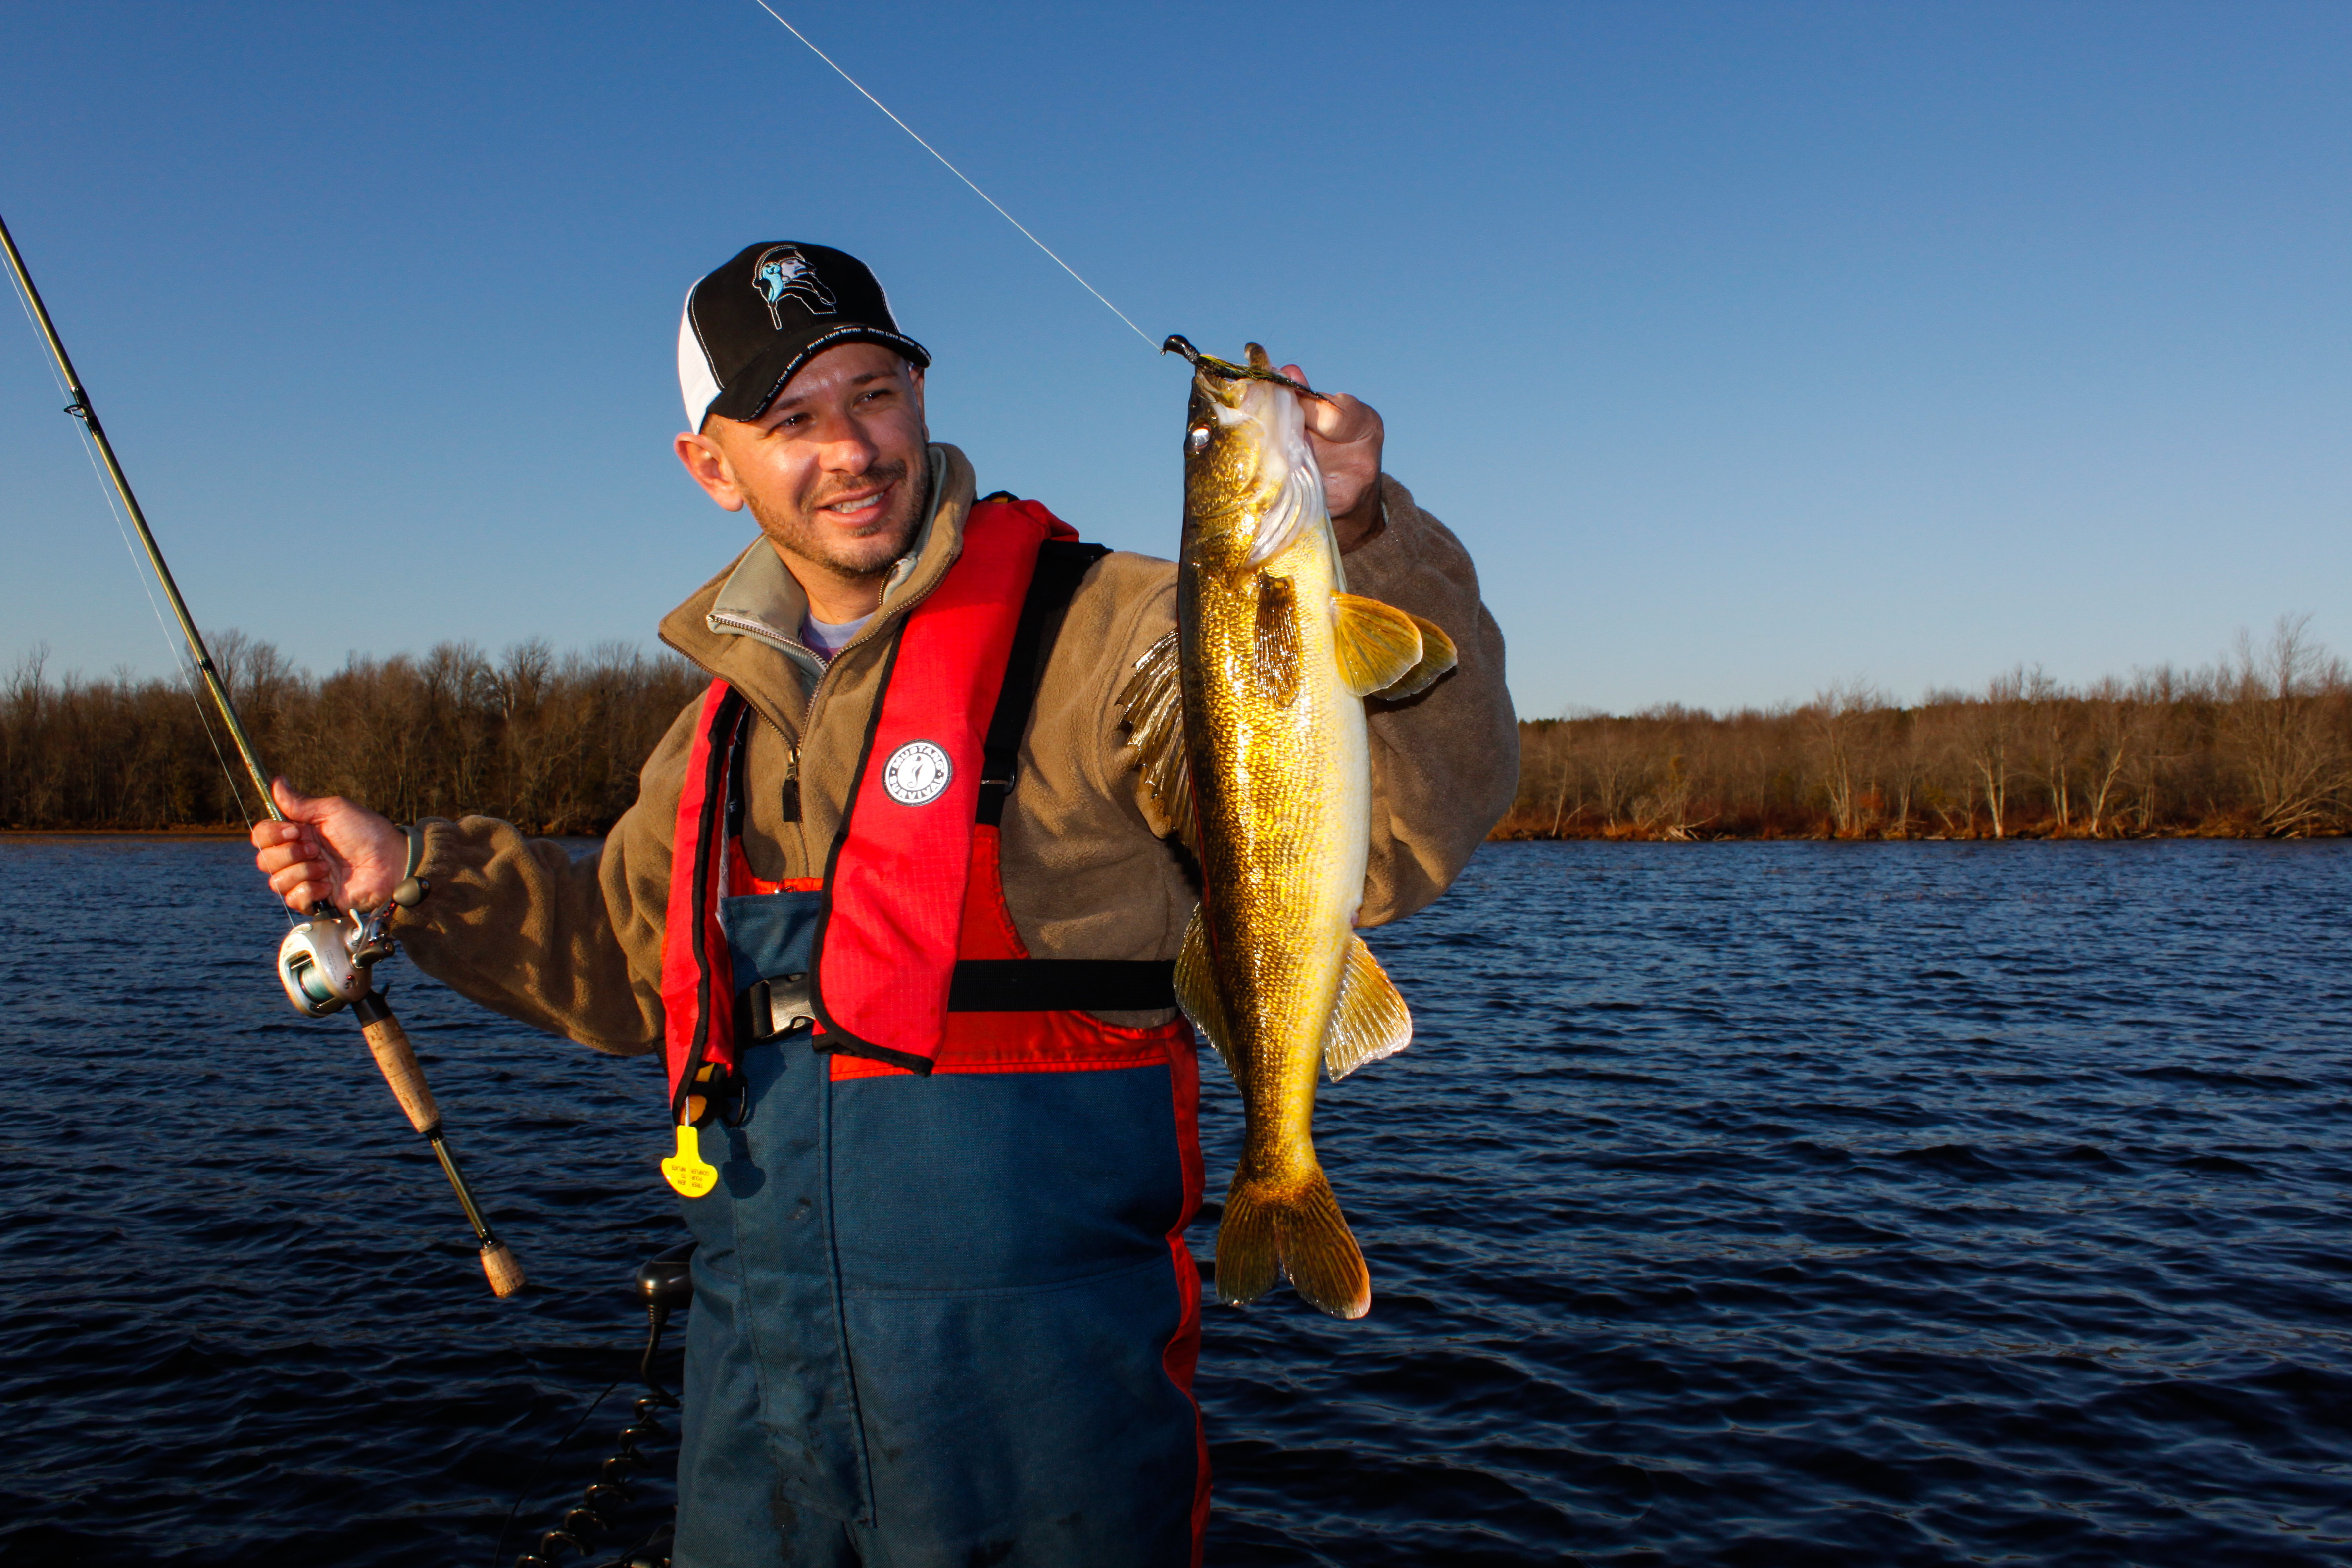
pixel 1226 370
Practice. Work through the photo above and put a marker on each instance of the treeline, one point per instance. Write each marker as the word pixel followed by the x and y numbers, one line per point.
pixel 2257 745
pixel 551 743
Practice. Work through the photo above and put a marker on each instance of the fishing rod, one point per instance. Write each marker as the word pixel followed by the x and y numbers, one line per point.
pixel 326 963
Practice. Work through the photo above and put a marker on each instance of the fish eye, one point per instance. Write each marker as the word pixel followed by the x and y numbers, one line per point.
pixel 1198 440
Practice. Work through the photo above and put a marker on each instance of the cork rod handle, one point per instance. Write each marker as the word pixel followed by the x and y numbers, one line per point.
pixel 389 1044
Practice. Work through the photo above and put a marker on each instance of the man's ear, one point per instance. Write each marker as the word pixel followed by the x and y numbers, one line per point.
pixel 707 463
pixel 915 375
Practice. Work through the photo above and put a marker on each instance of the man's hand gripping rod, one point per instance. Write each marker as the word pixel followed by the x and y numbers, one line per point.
pixel 327 960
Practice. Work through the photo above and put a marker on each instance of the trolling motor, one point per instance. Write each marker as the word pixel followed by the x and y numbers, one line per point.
pixel 326 963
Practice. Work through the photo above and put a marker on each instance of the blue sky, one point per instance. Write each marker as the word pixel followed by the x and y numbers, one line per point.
pixel 1750 347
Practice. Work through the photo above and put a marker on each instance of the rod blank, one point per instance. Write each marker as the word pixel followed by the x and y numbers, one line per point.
pixel 386 1039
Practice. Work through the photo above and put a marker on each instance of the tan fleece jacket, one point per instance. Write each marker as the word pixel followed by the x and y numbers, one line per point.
pixel 515 924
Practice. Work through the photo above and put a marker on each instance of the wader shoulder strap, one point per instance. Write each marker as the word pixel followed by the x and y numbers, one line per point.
pixel 1046 984
pixel 1061 564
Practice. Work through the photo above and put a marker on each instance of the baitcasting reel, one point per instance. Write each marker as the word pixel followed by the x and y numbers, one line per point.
pixel 324 962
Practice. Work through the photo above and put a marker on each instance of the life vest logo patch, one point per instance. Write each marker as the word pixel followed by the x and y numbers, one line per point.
pixel 917 773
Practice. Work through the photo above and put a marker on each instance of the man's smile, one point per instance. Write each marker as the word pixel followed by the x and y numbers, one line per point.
pixel 864 507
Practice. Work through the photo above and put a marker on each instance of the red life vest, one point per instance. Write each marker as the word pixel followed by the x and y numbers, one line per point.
pixel 916 964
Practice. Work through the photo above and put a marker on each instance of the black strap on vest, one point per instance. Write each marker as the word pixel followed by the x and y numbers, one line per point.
pixel 1045 984
pixel 1061 564
pixel 1062 984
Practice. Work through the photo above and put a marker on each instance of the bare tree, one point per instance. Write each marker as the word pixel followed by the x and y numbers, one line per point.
pixel 2115 725
pixel 2051 722
pixel 1839 719
pixel 1987 736
pixel 2294 758
pixel 1903 770
pixel 1619 765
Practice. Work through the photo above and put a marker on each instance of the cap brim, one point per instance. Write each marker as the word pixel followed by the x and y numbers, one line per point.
pixel 756 385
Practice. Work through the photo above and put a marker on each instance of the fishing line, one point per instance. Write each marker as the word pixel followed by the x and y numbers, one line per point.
pixel 106 491
pixel 959 174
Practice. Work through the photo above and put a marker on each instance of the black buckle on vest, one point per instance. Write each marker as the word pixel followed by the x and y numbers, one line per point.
pixel 770 1009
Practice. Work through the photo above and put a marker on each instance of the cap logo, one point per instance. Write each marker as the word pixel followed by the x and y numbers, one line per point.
pixel 782 270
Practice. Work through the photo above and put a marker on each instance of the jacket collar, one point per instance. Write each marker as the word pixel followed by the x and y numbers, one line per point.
pixel 743 625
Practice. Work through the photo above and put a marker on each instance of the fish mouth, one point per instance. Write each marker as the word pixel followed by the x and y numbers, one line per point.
pixel 1258 369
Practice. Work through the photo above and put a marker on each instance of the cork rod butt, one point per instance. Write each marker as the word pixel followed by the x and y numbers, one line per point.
pixel 388 1043
pixel 504 1268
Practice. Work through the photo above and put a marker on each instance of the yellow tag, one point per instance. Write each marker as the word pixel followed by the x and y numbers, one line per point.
pixel 686 1169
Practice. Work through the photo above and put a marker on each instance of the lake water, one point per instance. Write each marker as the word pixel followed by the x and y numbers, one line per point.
pixel 1737 1204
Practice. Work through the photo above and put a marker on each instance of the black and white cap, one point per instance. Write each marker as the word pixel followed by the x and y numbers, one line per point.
pixel 750 326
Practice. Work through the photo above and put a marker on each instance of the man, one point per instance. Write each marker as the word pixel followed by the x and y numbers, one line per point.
pixel 895 904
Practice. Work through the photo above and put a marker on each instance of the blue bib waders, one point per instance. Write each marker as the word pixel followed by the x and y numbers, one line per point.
pixel 940 1318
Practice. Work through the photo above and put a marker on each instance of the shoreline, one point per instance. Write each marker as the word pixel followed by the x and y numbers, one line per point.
pixel 238 835
pixel 1631 833
pixel 1626 835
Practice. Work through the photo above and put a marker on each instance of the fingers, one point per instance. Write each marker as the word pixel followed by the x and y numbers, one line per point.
pixel 290 856
pixel 289 799
pixel 303 887
pixel 301 808
pixel 297 868
pixel 1336 417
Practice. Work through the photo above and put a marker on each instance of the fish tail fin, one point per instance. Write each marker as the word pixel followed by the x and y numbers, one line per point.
pixel 1298 1231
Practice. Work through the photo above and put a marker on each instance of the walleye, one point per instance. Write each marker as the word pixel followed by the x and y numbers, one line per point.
pixel 1249 720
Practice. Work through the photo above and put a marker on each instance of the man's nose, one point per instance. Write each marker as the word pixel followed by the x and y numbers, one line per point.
pixel 847 445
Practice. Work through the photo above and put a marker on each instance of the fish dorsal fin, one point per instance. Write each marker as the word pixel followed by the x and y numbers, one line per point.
pixel 1196 992
pixel 1370 1021
pixel 1153 701
pixel 1378 644
pixel 1437 656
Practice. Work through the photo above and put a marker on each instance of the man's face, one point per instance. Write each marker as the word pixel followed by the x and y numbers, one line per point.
pixel 835 470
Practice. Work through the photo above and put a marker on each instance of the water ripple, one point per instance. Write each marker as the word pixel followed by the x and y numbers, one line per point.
pixel 1738 1205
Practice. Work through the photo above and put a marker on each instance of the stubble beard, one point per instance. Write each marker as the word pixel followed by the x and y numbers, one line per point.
pixel 870 555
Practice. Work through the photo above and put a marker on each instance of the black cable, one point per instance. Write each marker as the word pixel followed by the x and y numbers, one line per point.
pixel 498 1551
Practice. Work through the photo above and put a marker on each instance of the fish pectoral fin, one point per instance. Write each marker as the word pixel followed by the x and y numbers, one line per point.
pixel 1196 993
pixel 1437 656
pixel 1378 644
pixel 1370 1020
pixel 1153 702
pixel 1274 640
